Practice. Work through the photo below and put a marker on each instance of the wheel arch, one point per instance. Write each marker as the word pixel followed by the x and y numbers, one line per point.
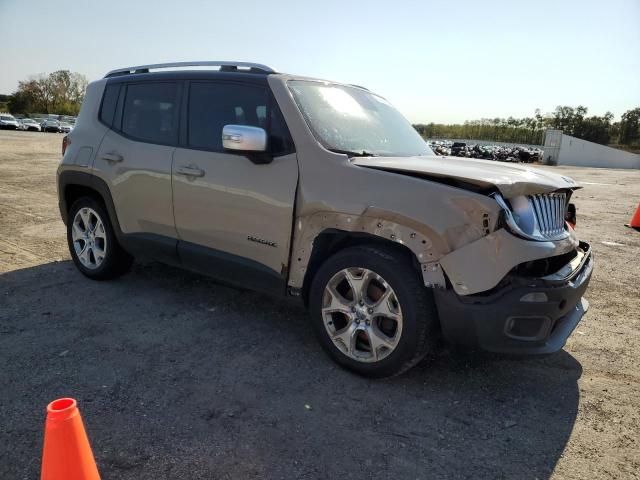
pixel 73 185
pixel 322 233
pixel 331 240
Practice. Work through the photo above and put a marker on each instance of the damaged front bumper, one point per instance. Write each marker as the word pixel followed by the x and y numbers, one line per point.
pixel 523 314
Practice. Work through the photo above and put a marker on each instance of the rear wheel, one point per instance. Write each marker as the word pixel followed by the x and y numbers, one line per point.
pixel 371 312
pixel 92 242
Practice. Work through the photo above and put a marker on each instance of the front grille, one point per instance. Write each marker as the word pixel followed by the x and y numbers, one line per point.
pixel 549 210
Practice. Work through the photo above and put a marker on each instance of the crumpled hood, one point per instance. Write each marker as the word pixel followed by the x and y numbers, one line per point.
pixel 511 180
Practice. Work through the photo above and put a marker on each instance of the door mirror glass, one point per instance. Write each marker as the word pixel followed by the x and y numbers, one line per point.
pixel 244 138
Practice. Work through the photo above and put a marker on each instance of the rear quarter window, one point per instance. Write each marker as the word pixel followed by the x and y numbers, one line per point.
pixel 109 102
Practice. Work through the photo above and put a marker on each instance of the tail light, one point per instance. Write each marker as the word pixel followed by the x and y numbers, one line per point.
pixel 65 143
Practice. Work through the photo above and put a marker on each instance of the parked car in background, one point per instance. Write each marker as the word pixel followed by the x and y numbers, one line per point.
pixel 65 127
pixel 501 153
pixel 29 124
pixel 8 122
pixel 50 125
pixel 458 148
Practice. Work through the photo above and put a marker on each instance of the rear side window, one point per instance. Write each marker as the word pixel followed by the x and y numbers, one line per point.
pixel 214 105
pixel 150 112
pixel 109 102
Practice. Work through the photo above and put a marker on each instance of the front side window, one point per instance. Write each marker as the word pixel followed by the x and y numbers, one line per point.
pixel 214 105
pixel 355 121
pixel 151 113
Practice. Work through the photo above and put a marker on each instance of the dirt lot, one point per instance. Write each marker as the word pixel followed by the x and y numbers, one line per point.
pixel 178 377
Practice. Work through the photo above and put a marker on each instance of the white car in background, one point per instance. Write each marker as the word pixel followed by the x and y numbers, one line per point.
pixel 65 127
pixel 29 124
pixel 8 122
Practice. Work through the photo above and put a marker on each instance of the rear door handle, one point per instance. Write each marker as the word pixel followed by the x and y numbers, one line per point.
pixel 190 171
pixel 112 157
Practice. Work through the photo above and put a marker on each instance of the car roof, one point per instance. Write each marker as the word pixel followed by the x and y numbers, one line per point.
pixel 244 77
pixel 255 77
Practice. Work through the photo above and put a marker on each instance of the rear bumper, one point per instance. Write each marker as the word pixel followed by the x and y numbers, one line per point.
pixel 506 320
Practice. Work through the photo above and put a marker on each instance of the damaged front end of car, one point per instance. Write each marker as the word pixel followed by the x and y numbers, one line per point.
pixel 496 246
pixel 520 289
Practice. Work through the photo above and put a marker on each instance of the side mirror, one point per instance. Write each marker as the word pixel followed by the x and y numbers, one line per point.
pixel 244 138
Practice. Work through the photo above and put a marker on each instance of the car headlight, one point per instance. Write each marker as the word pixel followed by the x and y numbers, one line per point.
pixel 539 217
pixel 523 214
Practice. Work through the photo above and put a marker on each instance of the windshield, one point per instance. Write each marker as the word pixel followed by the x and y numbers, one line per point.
pixel 354 121
pixel 7 118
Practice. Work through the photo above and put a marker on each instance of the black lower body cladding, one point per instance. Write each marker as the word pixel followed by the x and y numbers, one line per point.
pixel 524 316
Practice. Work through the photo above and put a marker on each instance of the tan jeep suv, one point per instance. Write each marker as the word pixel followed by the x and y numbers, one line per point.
pixel 323 191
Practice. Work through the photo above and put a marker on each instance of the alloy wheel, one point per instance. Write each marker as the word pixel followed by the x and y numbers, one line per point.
pixel 89 238
pixel 362 314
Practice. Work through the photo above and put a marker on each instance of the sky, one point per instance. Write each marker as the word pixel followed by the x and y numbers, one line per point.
pixel 437 61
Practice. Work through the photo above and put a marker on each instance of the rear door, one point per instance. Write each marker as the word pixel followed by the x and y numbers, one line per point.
pixel 136 154
pixel 233 216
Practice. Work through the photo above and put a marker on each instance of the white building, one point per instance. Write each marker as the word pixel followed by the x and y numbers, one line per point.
pixel 562 149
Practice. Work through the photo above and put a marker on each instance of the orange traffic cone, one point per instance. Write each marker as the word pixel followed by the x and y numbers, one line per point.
pixel 635 220
pixel 66 454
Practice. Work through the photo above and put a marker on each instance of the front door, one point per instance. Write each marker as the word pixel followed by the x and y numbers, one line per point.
pixel 233 216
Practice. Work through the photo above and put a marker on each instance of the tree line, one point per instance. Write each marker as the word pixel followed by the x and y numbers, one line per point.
pixel 60 92
pixel 530 130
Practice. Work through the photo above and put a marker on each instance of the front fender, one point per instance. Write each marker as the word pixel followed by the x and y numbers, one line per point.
pixel 424 242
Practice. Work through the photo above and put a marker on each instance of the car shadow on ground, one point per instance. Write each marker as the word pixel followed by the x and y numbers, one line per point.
pixel 180 377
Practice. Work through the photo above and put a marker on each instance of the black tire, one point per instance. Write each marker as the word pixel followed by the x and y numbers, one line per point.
pixel 419 315
pixel 116 261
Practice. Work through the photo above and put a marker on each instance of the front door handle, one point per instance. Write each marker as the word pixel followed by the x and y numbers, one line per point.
pixel 190 171
pixel 112 157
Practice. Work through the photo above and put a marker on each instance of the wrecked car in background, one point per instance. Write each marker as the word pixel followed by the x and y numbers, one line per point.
pixel 323 191
pixel 501 153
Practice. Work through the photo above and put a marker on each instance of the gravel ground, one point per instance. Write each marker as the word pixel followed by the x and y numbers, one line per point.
pixel 179 377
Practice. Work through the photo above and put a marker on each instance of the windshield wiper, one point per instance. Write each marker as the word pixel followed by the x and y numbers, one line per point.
pixel 352 153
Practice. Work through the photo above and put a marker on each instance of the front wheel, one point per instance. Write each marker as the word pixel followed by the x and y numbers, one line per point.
pixel 371 311
pixel 92 242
